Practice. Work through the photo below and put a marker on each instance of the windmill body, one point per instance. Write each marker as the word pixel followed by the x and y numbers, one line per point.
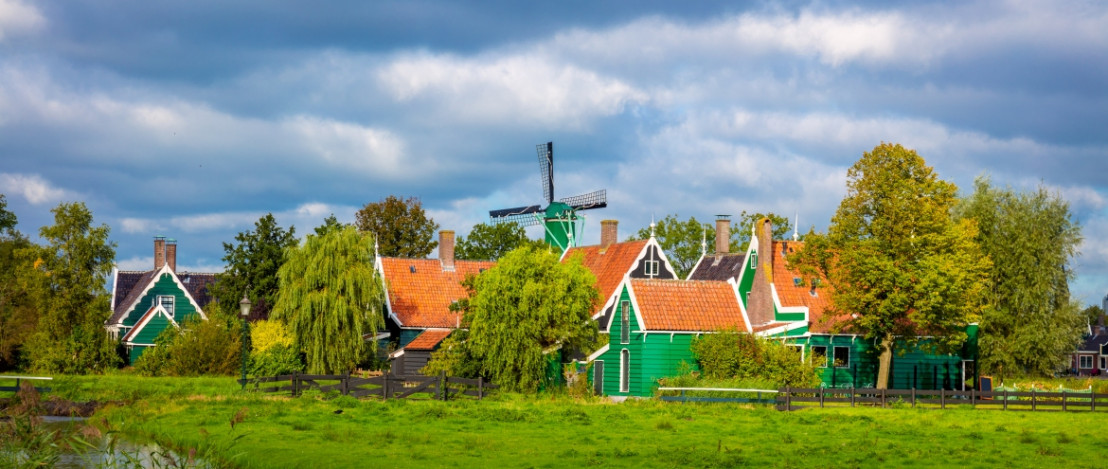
pixel 560 219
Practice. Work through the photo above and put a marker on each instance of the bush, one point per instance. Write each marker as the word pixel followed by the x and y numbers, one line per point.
pixel 454 357
pixel 199 347
pixel 267 334
pixel 729 354
pixel 277 360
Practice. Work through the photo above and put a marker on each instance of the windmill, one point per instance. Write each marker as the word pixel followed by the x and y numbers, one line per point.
pixel 559 218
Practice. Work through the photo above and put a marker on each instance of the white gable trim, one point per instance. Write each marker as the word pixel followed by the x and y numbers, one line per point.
pixel 146 289
pixel 698 261
pixel 145 319
pixel 788 309
pixel 115 284
pixel 598 353
pixel 380 267
pixel 626 283
pixel 742 309
pixel 184 290
pixel 786 328
pixel 661 254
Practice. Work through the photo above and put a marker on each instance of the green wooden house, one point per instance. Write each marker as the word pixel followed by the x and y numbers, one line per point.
pixel 776 301
pixel 145 303
pixel 651 334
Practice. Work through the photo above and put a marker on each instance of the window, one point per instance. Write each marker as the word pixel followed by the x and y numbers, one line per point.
pixel 624 371
pixel 819 356
pixel 1086 362
pixel 798 349
pixel 598 377
pixel 166 301
pixel 625 322
pixel 1103 363
pixel 651 268
pixel 842 357
pixel 754 260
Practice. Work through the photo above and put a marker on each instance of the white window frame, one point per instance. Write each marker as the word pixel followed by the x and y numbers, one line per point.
pixel 845 364
pixel 1081 364
pixel 624 370
pixel 624 322
pixel 754 260
pixel 651 268
pixel 799 347
pixel 824 347
pixel 168 302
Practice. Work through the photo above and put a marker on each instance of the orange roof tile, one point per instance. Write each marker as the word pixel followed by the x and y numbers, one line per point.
pixel 420 292
pixel 428 339
pixel 792 294
pixel 609 265
pixel 687 305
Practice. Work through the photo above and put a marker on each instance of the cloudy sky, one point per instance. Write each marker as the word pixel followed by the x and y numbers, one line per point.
pixel 192 119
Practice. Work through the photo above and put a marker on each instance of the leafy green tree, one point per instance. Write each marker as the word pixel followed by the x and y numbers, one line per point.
pixel 528 304
pixel 781 227
pixel 67 277
pixel 252 264
pixel 401 227
pixel 329 223
pixel 1032 324
pixel 330 298
pixel 900 266
pixel 1093 314
pixel 685 241
pixel 197 348
pixel 490 242
pixel 17 309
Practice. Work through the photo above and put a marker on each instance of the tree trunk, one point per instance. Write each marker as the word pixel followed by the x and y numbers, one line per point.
pixel 885 362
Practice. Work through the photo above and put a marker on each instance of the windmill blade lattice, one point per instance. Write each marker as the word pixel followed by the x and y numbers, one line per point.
pixel 546 169
pixel 597 199
pixel 524 216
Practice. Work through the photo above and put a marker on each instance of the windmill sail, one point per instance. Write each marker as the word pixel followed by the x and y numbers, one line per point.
pixel 546 169
pixel 597 199
pixel 521 215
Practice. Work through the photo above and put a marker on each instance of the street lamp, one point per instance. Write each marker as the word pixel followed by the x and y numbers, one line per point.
pixel 244 309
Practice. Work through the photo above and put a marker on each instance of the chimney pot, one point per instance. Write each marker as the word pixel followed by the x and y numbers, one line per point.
pixel 609 232
pixel 723 234
pixel 159 252
pixel 171 254
pixel 446 249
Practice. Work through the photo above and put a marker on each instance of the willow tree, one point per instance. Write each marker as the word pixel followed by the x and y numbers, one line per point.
pixel 901 266
pixel 1032 325
pixel 330 297
pixel 527 306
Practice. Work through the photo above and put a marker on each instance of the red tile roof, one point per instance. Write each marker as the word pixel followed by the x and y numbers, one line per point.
pixel 791 294
pixel 428 339
pixel 609 265
pixel 687 305
pixel 420 291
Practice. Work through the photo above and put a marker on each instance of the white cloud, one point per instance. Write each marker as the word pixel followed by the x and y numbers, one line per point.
pixel 17 18
pixel 349 146
pixel 304 216
pixel 32 187
pixel 517 89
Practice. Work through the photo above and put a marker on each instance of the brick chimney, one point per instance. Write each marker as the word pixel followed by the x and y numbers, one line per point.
pixel 446 250
pixel 760 303
pixel 723 234
pixel 159 252
pixel 609 232
pixel 171 254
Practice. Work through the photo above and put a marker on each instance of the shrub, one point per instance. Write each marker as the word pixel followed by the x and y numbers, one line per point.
pixel 276 360
pixel 199 347
pixel 454 357
pixel 267 334
pixel 729 354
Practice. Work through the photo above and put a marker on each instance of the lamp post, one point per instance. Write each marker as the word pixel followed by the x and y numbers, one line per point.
pixel 244 309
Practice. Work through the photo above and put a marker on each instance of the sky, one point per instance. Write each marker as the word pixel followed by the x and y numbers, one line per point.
pixel 193 119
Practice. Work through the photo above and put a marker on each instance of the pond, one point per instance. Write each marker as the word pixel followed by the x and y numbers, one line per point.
pixel 112 450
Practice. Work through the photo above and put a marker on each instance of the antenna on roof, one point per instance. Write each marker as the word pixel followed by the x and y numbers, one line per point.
pixel 796 227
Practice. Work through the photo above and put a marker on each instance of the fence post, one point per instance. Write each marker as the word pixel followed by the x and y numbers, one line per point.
pixel 480 387
pixel 1032 398
pixel 821 397
pixel 942 399
pixel 445 387
pixel 1092 401
pixel 852 396
pixel 788 399
pixel 295 384
pixel 913 397
pixel 1005 399
pixel 1063 401
pixel 883 401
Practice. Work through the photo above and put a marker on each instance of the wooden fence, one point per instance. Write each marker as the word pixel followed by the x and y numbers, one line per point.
pixel 751 396
pixel 796 398
pixel 386 386
pixel 19 379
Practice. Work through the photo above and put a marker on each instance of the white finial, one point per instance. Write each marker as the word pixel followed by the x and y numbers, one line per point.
pixel 652 224
pixel 796 227
pixel 704 242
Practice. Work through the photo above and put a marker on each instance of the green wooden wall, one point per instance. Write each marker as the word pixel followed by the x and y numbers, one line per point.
pixel 915 367
pixel 165 285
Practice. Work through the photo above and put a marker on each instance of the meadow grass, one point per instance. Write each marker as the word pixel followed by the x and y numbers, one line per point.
pixel 258 430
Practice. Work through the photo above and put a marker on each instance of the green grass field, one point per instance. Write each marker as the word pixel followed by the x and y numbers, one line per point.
pixel 557 431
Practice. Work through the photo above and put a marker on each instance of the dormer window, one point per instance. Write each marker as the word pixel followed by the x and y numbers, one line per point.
pixel 166 302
